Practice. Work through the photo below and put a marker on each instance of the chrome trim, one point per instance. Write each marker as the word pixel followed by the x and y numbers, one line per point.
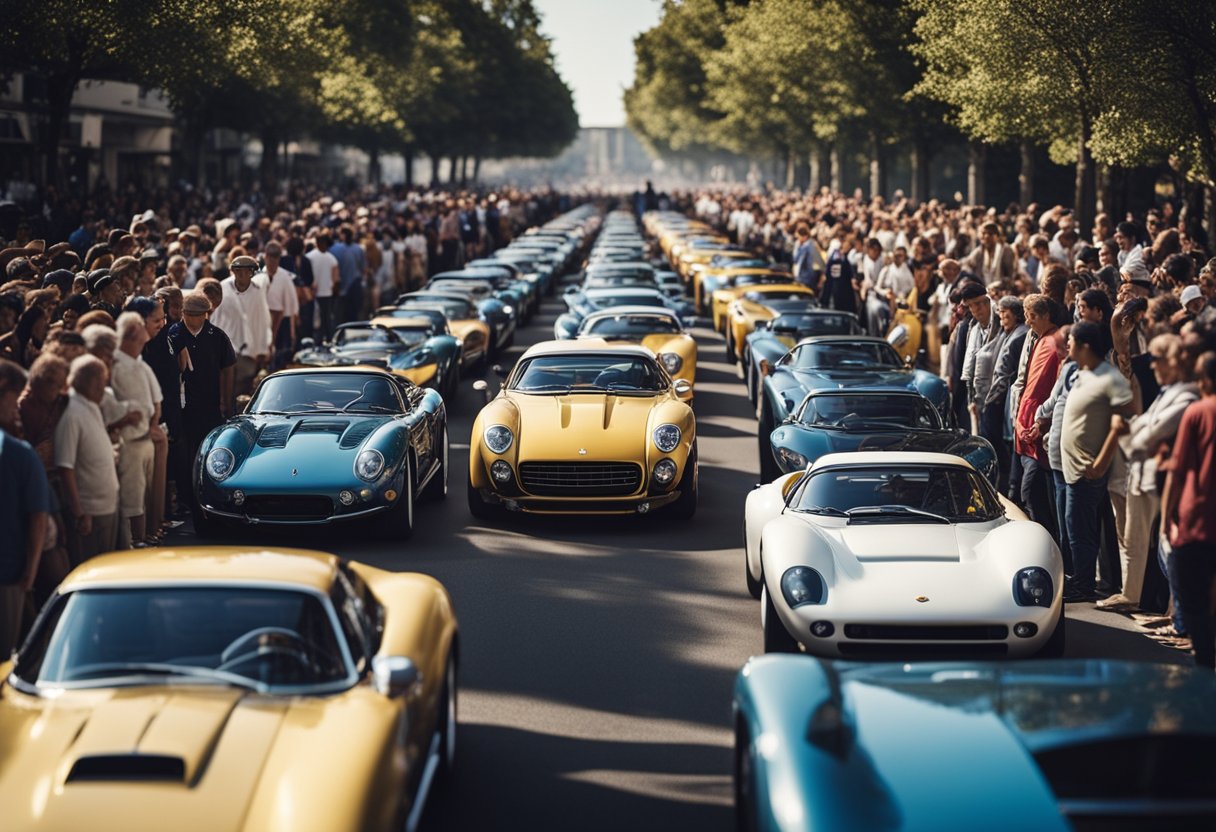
pixel 258 521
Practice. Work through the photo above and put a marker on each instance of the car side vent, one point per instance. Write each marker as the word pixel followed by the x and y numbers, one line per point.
pixel 275 436
pixel 126 767
pixel 355 435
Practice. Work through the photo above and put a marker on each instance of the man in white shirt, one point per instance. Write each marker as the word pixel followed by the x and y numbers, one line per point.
pixel 245 318
pixel 84 459
pixel 324 279
pixel 281 299
pixel 135 383
pixel 1130 251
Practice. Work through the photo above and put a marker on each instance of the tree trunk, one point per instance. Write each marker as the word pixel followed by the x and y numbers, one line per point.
pixel 270 158
pixel 791 167
pixel 1209 214
pixel 434 169
pixel 976 159
pixel 1026 174
pixel 878 167
pixel 816 162
pixel 59 92
pixel 373 165
pixel 477 168
pixel 1084 190
pixel 921 155
pixel 834 161
pixel 453 169
pixel 407 157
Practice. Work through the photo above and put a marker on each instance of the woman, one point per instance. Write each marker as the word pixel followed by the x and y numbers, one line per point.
pixel 25 341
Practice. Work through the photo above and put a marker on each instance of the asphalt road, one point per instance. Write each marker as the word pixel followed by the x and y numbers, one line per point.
pixel 599 655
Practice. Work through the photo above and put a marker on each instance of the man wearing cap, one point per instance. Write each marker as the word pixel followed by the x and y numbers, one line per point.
pixel 280 289
pixel 1192 300
pixel 244 316
pixel 105 292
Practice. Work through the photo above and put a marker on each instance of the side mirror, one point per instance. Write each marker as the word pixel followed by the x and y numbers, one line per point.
pixel 395 675
pixel 480 386
pixel 307 343
pixel 683 387
pixel 499 371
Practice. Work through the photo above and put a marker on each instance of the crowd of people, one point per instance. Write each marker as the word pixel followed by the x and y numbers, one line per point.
pixel 1085 356
pixel 128 333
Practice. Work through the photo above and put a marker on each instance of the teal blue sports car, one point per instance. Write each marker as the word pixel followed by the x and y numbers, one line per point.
pixel 317 446
pixel 1045 745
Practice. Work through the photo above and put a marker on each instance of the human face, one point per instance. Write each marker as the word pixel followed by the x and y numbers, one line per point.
pixel 988 239
pixel 1009 321
pixel 174 308
pixel 1165 369
pixel 980 309
pixel 155 321
pixel 1124 243
pixel 242 277
pixel 49 386
pixel 1088 313
pixel 95 391
pixel 1076 351
pixel 69 319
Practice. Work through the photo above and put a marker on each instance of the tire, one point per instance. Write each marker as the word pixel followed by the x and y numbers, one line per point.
pixel 777 639
pixel 447 722
pixel 685 505
pixel 749 376
pixel 730 346
pixel 769 470
pixel 754 586
pixel 437 488
pixel 398 523
pixel 1053 648
pixel 744 777
pixel 479 508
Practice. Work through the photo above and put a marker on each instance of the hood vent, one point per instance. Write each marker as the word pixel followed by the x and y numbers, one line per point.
pixel 357 433
pixel 275 435
pixel 321 427
pixel 128 767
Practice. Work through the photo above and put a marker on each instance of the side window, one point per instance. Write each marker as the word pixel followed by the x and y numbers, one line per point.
pixel 347 606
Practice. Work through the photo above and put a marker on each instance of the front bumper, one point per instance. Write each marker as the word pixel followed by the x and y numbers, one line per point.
pixel 527 504
pixel 315 506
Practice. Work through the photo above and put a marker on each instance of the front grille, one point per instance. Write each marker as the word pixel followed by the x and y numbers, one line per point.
pixel 580 479
pixel 286 507
pixel 904 651
pixel 927 632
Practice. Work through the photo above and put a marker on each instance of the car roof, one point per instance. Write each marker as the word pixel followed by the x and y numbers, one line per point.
pixel 305 568
pixel 887 459
pixel 612 311
pixel 583 345
pixel 397 323
pixel 827 339
pixel 359 369
pixel 607 291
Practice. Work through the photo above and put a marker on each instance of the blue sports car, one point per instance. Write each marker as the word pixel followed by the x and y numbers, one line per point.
pixel 772 339
pixel 317 446
pixel 837 362
pixel 1043 745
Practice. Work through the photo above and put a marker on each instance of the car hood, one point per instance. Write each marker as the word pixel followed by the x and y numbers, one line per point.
pixel 607 427
pixel 856 377
pixel 927 542
pixel 321 447
pixel 77 763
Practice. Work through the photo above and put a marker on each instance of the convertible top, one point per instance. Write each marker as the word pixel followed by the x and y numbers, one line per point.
pixel 583 345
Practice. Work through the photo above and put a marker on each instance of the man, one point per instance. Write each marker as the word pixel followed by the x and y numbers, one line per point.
pixel 105 292
pixel 205 353
pixel 1188 512
pixel 24 512
pixel 995 412
pixel 978 358
pixel 135 383
pixel 352 273
pixel 1087 447
pixel 1127 237
pixel 840 283
pixel 279 286
pixel 84 458
pixel 244 316
pixel 161 357
pixel 993 259
pixel 325 275
pixel 1041 371
pixel 808 262
pixel 894 283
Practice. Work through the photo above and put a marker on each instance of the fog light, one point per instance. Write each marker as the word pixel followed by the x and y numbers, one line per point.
pixel 365 494
pixel 511 505
pixel 238 498
pixel 822 629
pixel 390 495
pixel 643 508
pixel 664 471
pixel 1025 629
pixel 346 498
pixel 500 471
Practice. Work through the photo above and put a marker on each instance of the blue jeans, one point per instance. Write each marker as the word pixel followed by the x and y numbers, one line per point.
pixel 1166 557
pixel 1061 493
pixel 1083 517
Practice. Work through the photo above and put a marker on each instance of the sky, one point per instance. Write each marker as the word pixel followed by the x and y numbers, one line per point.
pixel 593 44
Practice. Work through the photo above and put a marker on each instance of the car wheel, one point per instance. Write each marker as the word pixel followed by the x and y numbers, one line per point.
pixel 753 586
pixel 437 488
pixel 749 376
pixel 398 523
pixel 478 507
pixel 744 780
pixel 685 505
pixel 447 721
pixel 730 345
pixel 1053 648
pixel 777 639
pixel 768 466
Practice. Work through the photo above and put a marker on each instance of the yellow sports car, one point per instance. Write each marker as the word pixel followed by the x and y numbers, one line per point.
pixel 702 254
pixel 761 303
pixel 585 427
pixel 719 271
pixel 691 242
pixel 668 237
pixel 231 688
pixel 657 329
pixel 747 280
pixel 463 321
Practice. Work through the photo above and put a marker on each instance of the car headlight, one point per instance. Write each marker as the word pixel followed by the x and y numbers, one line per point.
pixel 664 471
pixel 369 464
pixel 500 471
pixel 802 585
pixel 220 463
pixel 1032 587
pixel 508 310
pixel 671 362
pixel 499 438
pixel 791 460
pixel 666 437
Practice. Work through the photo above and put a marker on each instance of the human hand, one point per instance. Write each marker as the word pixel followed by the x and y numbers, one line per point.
pixel 1119 425
pixel 1090 472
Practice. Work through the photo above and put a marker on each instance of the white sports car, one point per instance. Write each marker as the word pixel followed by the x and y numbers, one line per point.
pixel 904 555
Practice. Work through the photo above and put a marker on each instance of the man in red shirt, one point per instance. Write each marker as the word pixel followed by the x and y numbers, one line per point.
pixel 1189 510
pixel 1041 374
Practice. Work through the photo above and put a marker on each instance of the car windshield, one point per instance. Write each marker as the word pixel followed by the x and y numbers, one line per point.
pixel 589 373
pixel 762 280
pixel 738 262
pixel 770 297
pixel 899 493
pixel 608 301
pixel 631 326
pixel 349 336
pixel 263 638
pixel 414 335
pixel 869 412
pixel 477 288
pixel 845 355
pixel 325 392
pixel 804 326
pixel 456 309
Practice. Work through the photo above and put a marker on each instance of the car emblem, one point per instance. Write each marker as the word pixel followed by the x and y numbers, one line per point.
pixel 582 451
pixel 920 599
pixel 294 471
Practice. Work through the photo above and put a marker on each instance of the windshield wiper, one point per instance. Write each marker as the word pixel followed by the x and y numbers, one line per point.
pixel 546 388
pixel 835 512
pixel 895 510
pixel 162 669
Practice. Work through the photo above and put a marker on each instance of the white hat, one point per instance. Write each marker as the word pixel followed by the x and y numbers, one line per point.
pixel 1191 293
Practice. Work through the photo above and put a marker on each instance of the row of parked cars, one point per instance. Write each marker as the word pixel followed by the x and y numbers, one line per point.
pixel 877 533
